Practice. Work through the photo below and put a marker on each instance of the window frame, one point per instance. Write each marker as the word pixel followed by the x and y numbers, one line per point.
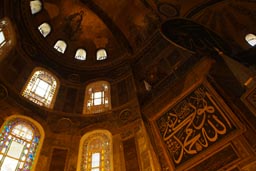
pixel 251 39
pixel 60 46
pixel 3 41
pixel 30 88
pixel 44 29
pixel 32 10
pixel 88 146
pixel 9 34
pixel 78 55
pixel 35 142
pixel 102 87
pixel 101 54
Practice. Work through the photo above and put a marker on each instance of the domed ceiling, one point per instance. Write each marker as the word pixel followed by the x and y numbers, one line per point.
pixel 123 27
pixel 119 27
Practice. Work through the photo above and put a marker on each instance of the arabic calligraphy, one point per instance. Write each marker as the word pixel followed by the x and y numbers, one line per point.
pixel 192 125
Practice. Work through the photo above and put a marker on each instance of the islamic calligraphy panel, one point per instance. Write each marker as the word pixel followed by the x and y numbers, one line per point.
pixel 192 125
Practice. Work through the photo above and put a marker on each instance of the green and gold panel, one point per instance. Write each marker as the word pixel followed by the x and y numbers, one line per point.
pixel 194 124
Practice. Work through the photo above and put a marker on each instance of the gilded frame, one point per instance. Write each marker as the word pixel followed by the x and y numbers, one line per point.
pixel 225 112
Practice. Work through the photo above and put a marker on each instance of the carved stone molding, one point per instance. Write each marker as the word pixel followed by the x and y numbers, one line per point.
pixel 125 115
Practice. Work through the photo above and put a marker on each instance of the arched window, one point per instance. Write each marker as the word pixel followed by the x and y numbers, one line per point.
pixel 41 88
pixel 2 38
pixel 35 6
pixel 97 97
pixel 101 54
pixel 21 139
pixel 251 39
pixel 44 29
pixel 3 32
pixel 60 46
pixel 7 37
pixel 95 152
pixel 80 54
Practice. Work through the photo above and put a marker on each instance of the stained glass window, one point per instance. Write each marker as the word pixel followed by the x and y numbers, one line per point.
pixel 101 54
pixel 97 97
pixel 44 29
pixel 96 151
pixel 7 37
pixel 35 6
pixel 60 46
pixel 80 54
pixel 41 88
pixel 19 140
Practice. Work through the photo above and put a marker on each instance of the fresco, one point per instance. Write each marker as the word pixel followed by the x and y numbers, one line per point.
pixel 134 18
pixel 77 23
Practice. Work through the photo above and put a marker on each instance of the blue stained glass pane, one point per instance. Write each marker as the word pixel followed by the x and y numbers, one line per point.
pixel 36 139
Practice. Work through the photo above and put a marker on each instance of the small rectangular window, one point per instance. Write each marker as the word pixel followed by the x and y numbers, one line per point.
pixel 97 98
pixel 97 95
pixel 95 160
pixel 42 88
